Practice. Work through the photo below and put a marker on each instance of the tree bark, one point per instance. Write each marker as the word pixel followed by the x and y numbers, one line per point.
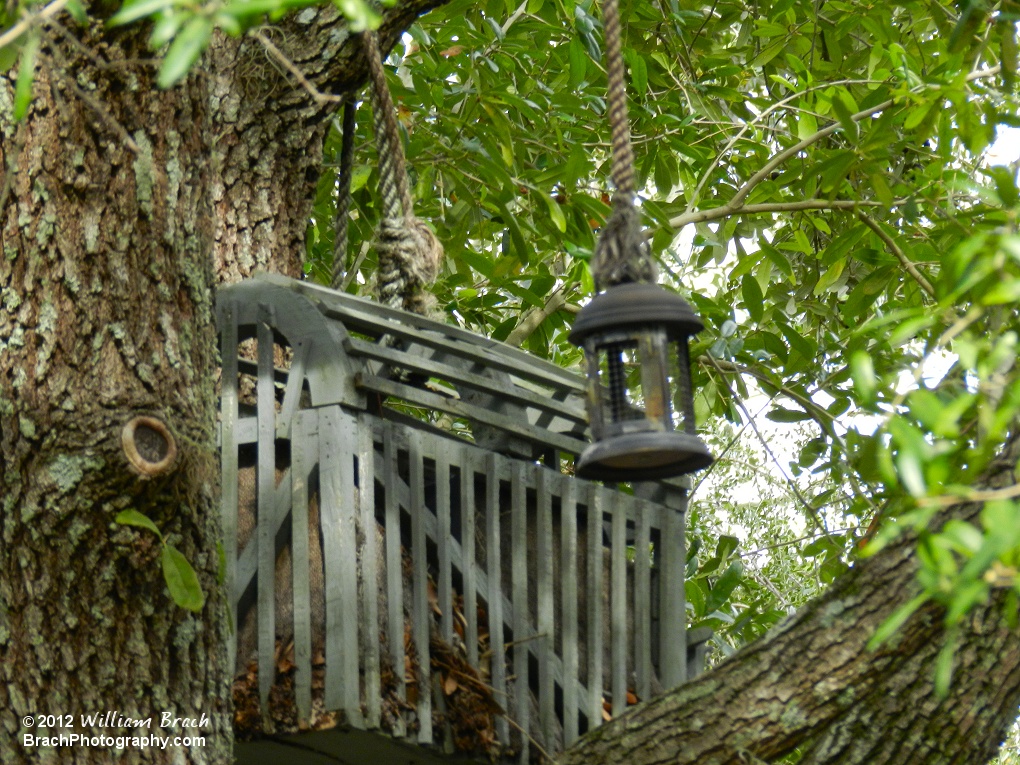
pixel 120 207
pixel 811 684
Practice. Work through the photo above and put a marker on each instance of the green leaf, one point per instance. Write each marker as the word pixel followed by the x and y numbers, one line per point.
pixel 944 665
pixel 555 212
pixel 578 62
pixel 135 518
pixel 754 301
pixel 359 14
pixel 185 50
pixel 779 414
pixel 862 371
pixel 26 75
pixel 181 579
pixel 638 72
pixel 133 11
pixel 896 620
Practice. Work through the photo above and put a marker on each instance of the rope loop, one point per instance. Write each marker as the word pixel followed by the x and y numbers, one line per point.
pixel 409 254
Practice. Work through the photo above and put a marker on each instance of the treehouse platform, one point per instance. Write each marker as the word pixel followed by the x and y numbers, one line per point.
pixel 409 560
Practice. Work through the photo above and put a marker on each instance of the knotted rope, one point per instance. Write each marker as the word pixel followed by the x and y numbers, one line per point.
pixel 343 202
pixel 621 253
pixel 409 253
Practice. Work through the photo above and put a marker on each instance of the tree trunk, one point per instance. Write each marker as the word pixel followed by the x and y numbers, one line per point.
pixel 812 684
pixel 119 205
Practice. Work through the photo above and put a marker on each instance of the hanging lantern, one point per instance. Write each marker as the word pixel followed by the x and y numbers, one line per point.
pixel 635 340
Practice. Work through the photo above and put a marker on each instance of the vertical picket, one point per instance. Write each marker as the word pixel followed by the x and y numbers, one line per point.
pixel 545 644
pixel 369 572
pixel 394 574
pixel 618 606
pixel 568 565
pixel 520 601
pixel 642 600
pixel 495 594
pixel 420 604
pixel 594 598
pixel 467 546
pixel 303 456
pixel 336 477
pixel 266 454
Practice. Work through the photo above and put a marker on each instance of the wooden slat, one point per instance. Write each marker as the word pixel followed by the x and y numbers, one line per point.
pixel 394 573
pixel 519 597
pixel 546 643
pixel 672 619
pixel 495 596
pixel 292 393
pixel 303 456
pixel 247 567
pixel 468 463
pixel 568 567
pixel 444 542
pixel 559 405
pixel 266 532
pixel 420 605
pixel 369 574
pixel 594 597
pixel 228 463
pixel 336 477
pixel 366 314
pixel 642 602
pixel 618 606
pixel 476 413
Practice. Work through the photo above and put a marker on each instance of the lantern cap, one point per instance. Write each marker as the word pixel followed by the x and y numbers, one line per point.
pixel 636 304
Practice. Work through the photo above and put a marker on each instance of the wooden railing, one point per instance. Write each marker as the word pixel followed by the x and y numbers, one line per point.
pixel 412 559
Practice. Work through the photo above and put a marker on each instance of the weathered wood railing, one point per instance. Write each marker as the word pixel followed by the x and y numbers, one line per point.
pixel 349 523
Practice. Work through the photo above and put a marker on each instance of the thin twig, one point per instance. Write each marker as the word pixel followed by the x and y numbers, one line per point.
pixel 715 213
pixel 26 23
pixel 812 511
pixel 318 96
pixel 986 495
pixel 901 256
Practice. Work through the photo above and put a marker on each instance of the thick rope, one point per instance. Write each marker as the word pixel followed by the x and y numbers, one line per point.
pixel 621 253
pixel 409 253
pixel 343 202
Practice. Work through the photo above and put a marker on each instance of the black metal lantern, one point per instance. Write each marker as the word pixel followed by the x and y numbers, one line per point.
pixel 635 337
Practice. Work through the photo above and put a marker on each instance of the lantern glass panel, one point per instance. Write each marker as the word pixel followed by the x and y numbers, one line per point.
pixel 619 371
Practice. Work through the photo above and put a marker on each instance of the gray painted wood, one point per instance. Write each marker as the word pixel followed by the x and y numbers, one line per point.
pixel 444 541
pixel 368 315
pixel 494 600
pixel 265 393
pixel 545 644
pixel 369 574
pixel 394 574
pixel 420 605
pixel 522 632
pixel 672 619
pixel 440 403
pixel 228 462
pixel 569 409
pixel 594 600
pixel 642 601
pixel 292 393
pixel 468 564
pixel 568 567
pixel 303 457
pixel 338 545
pixel 618 605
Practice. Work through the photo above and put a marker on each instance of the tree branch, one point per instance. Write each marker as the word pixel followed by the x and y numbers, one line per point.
pixel 715 213
pixel 900 255
pixel 534 318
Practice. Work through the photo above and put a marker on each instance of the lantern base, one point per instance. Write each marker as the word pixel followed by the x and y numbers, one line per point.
pixel 643 457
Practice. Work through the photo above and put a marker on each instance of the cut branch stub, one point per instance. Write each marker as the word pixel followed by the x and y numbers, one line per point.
pixel 149 446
